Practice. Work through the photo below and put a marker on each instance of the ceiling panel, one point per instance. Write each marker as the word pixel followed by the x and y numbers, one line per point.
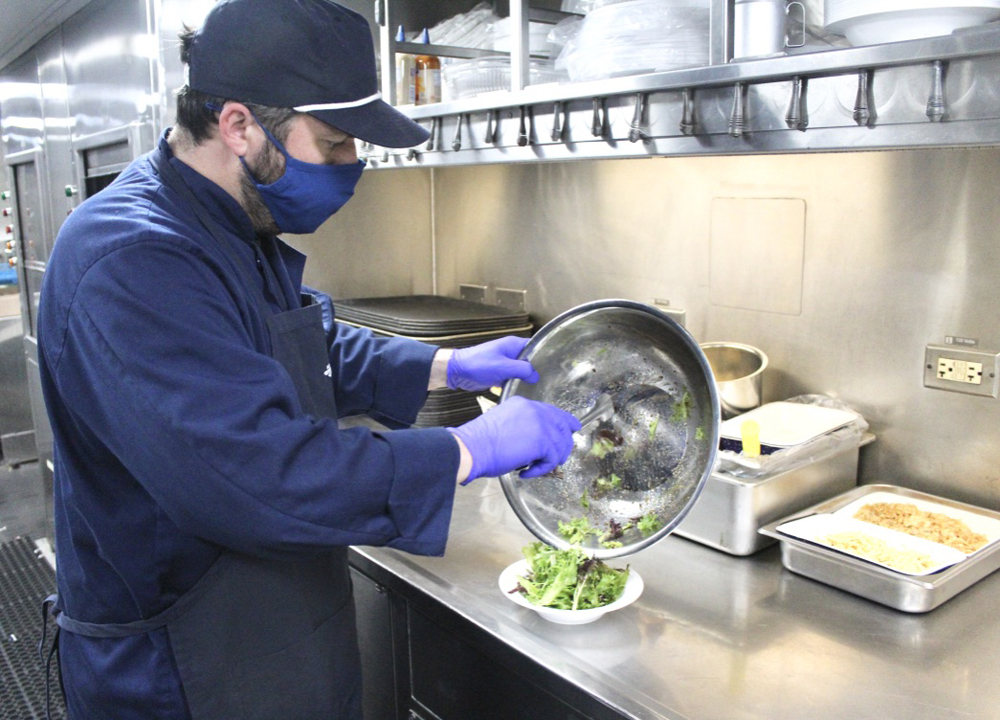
pixel 24 22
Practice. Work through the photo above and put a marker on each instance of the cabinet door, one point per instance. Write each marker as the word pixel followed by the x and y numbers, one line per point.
pixel 453 680
pixel 374 613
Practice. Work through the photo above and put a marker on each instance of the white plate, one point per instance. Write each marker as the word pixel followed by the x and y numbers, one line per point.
pixel 816 527
pixel 784 424
pixel 896 26
pixel 836 10
pixel 508 581
pixel 976 523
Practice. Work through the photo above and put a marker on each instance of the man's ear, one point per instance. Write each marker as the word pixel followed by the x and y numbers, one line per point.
pixel 236 124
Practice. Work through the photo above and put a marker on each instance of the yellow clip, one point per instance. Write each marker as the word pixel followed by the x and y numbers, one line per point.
pixel 750 432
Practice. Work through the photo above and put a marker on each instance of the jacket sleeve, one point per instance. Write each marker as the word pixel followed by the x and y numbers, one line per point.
pixel 384 378
pixel 159 363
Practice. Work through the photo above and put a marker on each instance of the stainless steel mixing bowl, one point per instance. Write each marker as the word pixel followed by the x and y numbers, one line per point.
pixel 650 460
pixel 739 374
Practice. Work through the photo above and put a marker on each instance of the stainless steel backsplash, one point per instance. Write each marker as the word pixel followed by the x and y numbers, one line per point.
pixel 887 252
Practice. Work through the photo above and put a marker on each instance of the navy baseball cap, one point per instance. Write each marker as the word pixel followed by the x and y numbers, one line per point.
pixel 314 56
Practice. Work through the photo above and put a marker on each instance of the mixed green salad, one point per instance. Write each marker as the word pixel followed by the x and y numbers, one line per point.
pixel 569 579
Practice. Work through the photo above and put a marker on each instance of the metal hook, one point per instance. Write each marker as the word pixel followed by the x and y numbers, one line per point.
pixel 687 116
pixel 797 117
pixel 737 120
pixel 431 140
pixel 492 127
pixel 599 124
pixel 557 127
pixel 864 113
pixel 636 130
pixel 936 107
pixel 456 143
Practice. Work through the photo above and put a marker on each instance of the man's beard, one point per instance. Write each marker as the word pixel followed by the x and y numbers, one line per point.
pixel 267 167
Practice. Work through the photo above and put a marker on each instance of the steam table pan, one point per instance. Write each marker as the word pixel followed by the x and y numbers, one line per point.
pixel 909 593
pixel 662 436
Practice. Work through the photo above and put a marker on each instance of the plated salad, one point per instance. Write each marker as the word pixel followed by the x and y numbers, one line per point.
pixel 569 579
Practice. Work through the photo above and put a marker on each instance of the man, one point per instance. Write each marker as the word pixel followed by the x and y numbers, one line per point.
pixel 205 496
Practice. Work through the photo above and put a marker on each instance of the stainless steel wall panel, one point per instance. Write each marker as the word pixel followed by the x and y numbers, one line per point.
pixel 381 243
pixel 110 55
pixel 21 105
pixel 901 249
pixel 172 17
pixel 17 434
pixel 59 170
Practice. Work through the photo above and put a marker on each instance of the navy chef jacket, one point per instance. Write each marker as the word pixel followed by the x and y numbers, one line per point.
pixel 176 434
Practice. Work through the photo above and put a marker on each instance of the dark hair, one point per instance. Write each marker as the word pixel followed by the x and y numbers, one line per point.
pixel 195 113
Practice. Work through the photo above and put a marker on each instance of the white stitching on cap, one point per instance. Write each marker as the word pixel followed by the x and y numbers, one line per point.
pixel 340 105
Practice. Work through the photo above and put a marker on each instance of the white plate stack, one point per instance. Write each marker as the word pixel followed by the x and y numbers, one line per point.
pixel 870 22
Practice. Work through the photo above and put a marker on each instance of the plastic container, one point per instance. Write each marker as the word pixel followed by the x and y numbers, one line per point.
pixel 538 37
pixel 428 78
pixel 638 36
pixel 406 75
pixel 468 78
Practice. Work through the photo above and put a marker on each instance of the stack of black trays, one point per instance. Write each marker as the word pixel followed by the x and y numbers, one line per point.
pixel 442 321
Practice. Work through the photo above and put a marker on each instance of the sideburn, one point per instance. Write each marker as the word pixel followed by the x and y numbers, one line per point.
pixel 266 167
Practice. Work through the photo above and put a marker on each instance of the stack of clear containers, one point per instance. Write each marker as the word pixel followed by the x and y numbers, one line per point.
pixel 629 37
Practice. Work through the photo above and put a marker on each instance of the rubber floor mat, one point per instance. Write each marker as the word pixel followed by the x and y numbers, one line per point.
pixel 25 580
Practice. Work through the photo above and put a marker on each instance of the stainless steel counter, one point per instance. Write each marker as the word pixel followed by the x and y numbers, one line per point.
pixel 716 637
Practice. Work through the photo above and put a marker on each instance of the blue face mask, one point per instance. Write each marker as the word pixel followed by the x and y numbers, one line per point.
pixel 307 194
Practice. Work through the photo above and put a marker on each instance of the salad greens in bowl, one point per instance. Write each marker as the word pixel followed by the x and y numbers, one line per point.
pixel 568 586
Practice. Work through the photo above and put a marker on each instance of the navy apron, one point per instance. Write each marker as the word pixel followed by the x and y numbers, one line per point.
pixel 259 639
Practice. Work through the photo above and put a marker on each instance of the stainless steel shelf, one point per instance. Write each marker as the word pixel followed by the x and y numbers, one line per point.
pixel 967 44
pixel 942 91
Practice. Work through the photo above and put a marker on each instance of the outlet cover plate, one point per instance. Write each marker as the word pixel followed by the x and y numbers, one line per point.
pixel 513 300
pixel 946 367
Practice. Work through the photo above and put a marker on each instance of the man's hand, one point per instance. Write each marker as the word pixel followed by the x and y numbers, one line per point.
pixel 491 363
pixel 517 433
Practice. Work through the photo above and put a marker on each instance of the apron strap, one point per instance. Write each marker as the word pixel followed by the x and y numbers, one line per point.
pixel 138 627
pixel 50 606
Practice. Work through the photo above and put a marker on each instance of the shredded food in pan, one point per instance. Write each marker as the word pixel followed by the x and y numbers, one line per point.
pixel 933 526
pixel 872 548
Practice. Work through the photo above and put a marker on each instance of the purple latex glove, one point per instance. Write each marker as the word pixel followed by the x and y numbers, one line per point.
pixel 516 433
pixel 492 363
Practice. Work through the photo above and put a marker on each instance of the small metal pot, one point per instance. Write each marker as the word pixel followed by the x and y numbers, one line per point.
pixel 739 372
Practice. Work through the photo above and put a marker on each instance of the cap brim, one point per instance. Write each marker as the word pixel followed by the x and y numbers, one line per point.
pixel 376 122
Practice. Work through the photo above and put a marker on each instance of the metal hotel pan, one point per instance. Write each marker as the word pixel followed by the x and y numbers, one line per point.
pixel 666 424
pixel 903 592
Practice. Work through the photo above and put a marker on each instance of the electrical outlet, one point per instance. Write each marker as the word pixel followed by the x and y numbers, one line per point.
pixel 965 371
